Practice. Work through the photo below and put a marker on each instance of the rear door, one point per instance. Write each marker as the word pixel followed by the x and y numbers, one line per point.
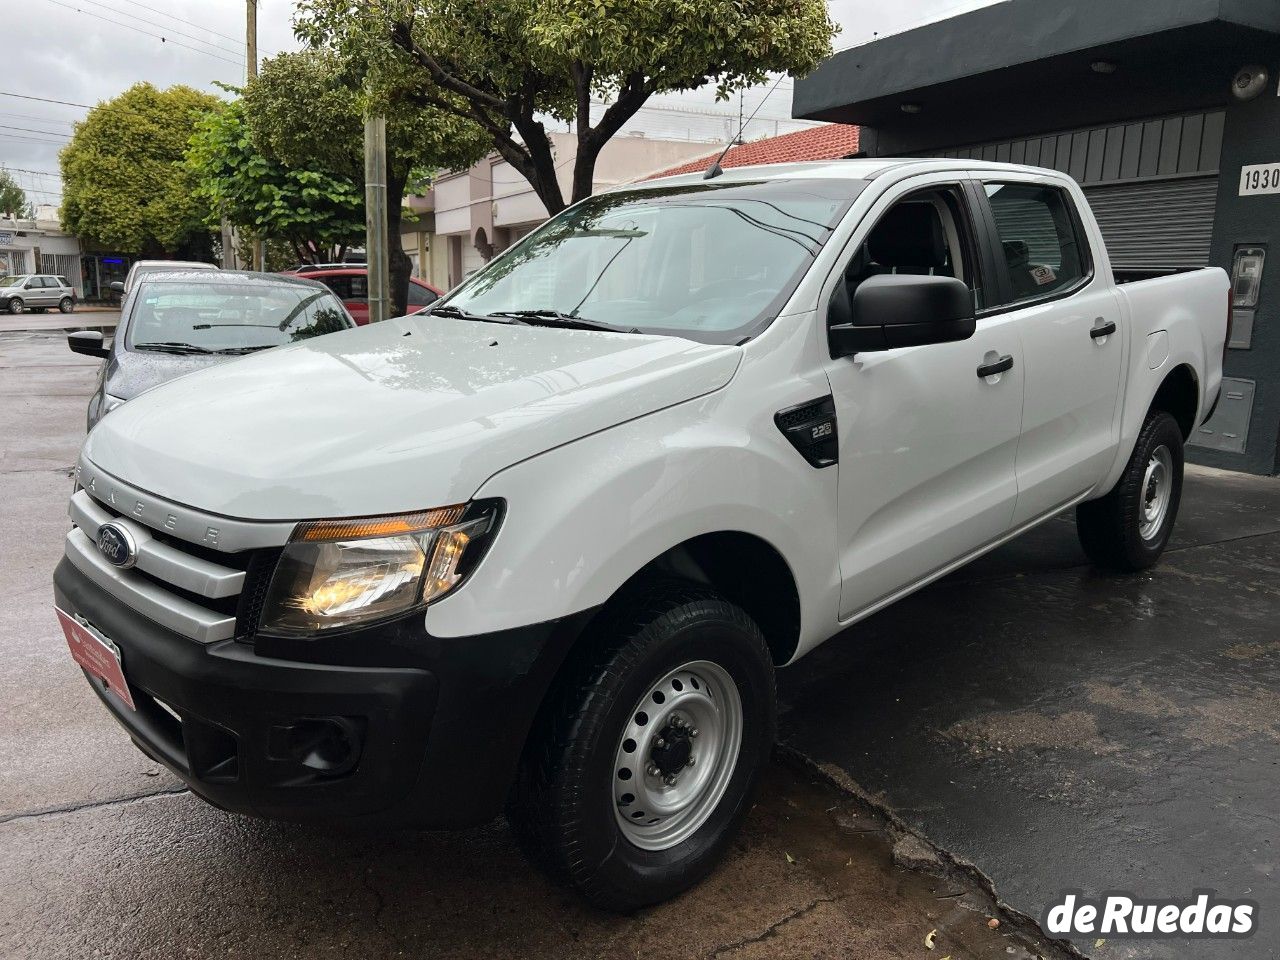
pixel 1069 321
pixel 927 444
pixel 38 292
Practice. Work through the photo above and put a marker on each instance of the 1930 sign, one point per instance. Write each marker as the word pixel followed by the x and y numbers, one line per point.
pixel 1260 178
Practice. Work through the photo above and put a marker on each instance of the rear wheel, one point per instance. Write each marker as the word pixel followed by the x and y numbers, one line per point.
pixel 1129 528
pixel 14 305
pixel 646 760
pixel 66 305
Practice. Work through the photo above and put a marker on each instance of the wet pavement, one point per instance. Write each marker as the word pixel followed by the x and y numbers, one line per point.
pixel 103 854
pixel 1057 728
pixel 1048 726
pixel 53 321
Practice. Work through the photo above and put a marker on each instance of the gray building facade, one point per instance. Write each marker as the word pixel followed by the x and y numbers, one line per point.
pixel 1168 114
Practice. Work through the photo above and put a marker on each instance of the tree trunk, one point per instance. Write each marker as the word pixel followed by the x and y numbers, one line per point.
pixel 399 266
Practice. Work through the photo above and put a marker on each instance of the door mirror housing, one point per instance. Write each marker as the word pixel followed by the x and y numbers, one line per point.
pixel 900 310
pixel 117 286
pixel 88 343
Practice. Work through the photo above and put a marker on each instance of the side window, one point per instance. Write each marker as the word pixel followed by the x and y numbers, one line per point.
pixel 1038 236
pixel 341 286
pixel 924 233
pixel 359 287
pixel 421 296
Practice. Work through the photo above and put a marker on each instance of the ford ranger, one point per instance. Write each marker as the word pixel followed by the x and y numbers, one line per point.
pixel 540 549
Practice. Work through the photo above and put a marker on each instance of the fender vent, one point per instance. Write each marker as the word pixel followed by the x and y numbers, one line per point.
pixel 811 428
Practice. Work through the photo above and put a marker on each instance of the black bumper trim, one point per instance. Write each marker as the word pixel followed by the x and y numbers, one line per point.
pixel 443 721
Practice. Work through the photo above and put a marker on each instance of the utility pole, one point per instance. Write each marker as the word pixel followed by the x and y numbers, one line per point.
pixel 251 72
pixel 375 206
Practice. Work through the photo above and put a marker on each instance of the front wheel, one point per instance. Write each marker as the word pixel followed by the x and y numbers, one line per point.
pixel 66 305
pixel 14 305
pixel 1129 528
pixel 647 758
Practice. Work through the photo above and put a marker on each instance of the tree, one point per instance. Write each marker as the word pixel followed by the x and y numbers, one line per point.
pixel 307 108
pixel 125 184
pixel 315 213
pixel 13 199
pixel 505 64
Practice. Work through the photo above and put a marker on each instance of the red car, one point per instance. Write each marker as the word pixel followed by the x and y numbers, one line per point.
pixel 351 283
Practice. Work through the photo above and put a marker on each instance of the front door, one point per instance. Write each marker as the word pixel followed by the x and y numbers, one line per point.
pixel 927 445
pixel 1069 322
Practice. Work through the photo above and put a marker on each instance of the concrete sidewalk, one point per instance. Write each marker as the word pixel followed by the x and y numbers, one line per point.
pixel 1058 728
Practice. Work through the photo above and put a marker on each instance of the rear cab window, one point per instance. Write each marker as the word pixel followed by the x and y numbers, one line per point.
pixel 1041 244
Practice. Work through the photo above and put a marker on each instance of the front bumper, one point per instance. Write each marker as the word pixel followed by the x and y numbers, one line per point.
pixel 435 726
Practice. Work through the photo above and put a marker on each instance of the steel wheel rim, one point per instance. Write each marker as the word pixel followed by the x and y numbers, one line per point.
pixel 695 707
pixel 1157 492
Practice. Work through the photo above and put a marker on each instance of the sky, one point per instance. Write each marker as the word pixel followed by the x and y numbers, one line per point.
pixel 98 48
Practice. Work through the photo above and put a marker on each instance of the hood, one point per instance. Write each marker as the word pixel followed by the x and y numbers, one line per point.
pixel 392 417
pixel 136 371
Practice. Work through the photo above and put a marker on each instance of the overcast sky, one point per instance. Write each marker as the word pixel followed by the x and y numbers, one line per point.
pixel 90 50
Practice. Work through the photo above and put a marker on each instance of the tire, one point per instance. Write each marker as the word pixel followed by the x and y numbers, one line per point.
pixel 14 305
pixel 671 662
pixel 66 304
pixel 1128 529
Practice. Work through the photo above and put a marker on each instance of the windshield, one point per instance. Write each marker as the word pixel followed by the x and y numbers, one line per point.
pixel 230 318
pixel 710 262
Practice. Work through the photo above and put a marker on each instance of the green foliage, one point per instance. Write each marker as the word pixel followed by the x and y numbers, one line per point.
pixel 309 106
pixel 125 184
pixel 13 199
pixel 315 212
pixel 505 63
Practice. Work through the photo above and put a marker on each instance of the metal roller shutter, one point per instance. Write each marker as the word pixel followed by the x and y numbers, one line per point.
pixel 1159 225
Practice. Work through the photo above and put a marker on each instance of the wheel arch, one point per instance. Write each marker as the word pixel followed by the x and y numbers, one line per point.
pixel 1179 396
pixel 745 569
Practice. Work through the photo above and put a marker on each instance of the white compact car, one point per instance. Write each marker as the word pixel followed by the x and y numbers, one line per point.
pixel 541 549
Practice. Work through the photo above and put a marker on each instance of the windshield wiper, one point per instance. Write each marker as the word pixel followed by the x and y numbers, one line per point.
pixel 558 318
pixel 235 351
pixel 171 346
pixel 449 310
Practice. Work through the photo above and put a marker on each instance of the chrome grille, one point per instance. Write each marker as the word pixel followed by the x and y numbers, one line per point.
pixel 189 588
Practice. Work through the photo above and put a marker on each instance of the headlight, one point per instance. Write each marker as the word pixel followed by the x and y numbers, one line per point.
pixel 343 573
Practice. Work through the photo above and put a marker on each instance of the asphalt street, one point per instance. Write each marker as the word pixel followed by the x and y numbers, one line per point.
pixel 1058 728
pixel 103 854
pixel 1044 726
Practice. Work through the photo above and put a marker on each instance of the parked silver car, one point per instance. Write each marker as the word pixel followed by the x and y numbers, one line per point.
pixel 144 267
pixel 37 292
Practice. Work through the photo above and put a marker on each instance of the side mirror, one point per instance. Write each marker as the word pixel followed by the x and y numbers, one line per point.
pixel 117 286
pixel 900 310
pixel 88 343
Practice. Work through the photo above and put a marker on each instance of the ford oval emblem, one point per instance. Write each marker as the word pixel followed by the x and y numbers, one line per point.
pixel 117 545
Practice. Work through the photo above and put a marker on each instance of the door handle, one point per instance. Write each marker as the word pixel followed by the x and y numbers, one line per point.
pixel 996 366
pixel 1105 330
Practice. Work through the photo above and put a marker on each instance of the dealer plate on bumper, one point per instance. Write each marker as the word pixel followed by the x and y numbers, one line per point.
pixel 96 654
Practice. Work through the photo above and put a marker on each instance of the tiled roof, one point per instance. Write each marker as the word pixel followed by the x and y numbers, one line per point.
pixel 827 142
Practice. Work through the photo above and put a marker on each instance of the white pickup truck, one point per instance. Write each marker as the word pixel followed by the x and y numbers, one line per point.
pixel 541 547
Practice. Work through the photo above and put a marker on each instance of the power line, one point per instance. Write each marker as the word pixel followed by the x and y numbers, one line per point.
pixel 236 40
pixel 175 30
pixel 64 103
pixel 157 36
pixel 37 119
pixel 40 173
pixel 50 133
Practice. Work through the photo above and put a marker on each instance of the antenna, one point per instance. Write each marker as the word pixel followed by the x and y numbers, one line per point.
pixel 715 169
